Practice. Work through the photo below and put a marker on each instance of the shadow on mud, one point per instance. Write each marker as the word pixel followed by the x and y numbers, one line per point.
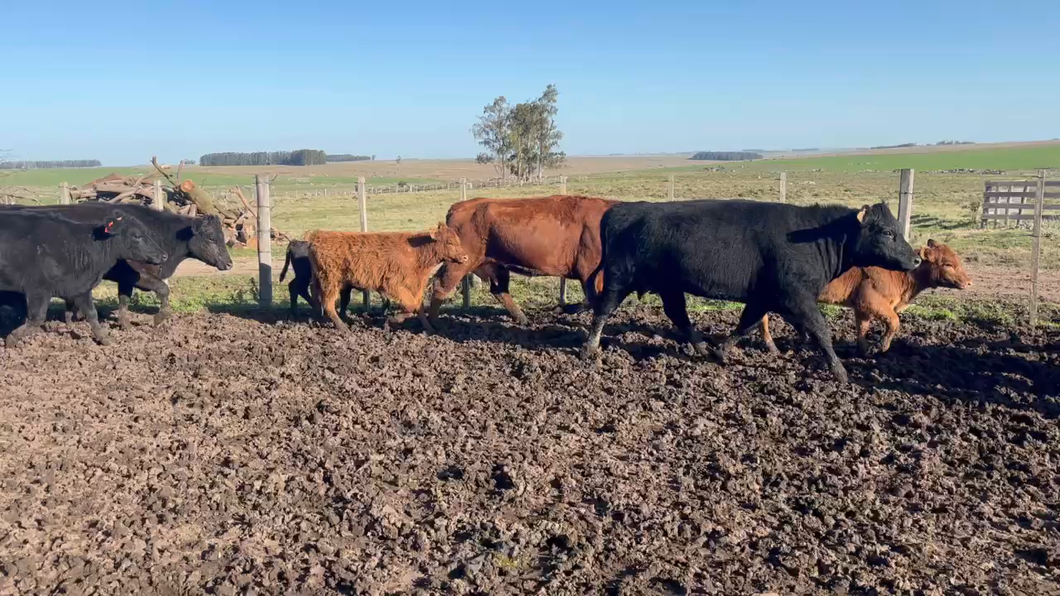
pixel 971 371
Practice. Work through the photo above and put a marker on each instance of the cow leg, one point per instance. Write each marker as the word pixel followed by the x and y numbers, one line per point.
pixel 608 300
pixel 677 310
pixel 327 301
pixel 344 300
pixel 767 337
pixel 148 283
pixel 864 323
pixel 445 284
pixel 803 313
pixel 293 291
pixel 891 320
pixel 87 306
pixel 499 288
pixel 36 313
pixel 751 317
pixel 302 290
pixel 68 313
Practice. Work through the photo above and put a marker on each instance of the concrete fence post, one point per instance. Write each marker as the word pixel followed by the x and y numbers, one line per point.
pixel 264 242
pixel 671 194
pixel 783 187
pixel 64 194
pixel 905 201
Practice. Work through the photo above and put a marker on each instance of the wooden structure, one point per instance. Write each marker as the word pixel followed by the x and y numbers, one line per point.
pixel 1007 201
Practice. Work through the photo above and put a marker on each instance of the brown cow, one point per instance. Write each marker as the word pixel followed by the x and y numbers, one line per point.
pixel 557 235
pixel 876 293
pixel 396 264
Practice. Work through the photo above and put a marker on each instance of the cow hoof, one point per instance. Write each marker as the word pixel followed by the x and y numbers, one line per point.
pixel 720 355
pixel 10 342
pixel 841 376
pixel 589 352
pixel 103 340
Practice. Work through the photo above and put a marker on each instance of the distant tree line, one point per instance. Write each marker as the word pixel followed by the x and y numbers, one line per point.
pixel 955 143
pixel 894 146
pixel 725 156
pixel 45 165
pixel 521 140
pixel 348 157
pixel 301 157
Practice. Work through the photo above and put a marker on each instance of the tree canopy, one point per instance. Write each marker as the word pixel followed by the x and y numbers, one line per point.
pixel 521 140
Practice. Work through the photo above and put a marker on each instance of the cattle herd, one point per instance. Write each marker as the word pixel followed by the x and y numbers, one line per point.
pixel 771 257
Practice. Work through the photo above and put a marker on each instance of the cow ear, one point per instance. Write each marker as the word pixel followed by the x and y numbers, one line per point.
pixel 931 243
pixel 861 214
pixel 111 225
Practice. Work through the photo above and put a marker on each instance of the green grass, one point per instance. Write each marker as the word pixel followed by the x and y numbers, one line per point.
pixel 48 180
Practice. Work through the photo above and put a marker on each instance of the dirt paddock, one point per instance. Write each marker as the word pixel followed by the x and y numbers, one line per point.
pixel 228 456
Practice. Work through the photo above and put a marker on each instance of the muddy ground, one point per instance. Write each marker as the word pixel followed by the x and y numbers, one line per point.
pixel 233 456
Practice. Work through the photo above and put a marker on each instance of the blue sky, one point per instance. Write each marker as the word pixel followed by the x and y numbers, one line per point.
pixel 179 79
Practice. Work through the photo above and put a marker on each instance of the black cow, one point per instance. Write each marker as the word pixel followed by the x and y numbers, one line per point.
pixel 770 256
pixel 298 258
pixel 44 254
pixel 180 236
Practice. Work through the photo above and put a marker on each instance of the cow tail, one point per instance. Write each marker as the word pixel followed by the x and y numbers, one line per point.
pixel 286 262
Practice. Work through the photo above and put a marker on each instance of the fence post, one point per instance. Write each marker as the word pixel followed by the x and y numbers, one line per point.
pixel 562 185
pixel 671 187
pixel 463 189
pixel 1036 250
pixel 64 194
pixel 783 187
pixel 362 199
pixel 563 291
pixel 264 242
pixel 905 201
pixel 159 198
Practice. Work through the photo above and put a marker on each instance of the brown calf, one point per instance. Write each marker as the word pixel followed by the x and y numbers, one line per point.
pixel 876 293
pixel 397 265
pixel 557 235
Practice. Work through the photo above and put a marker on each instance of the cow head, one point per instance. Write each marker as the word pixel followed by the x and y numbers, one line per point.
pixel 880 242
pixel 449 244
pixel 943 267
pixel 207 242
pixel 133 240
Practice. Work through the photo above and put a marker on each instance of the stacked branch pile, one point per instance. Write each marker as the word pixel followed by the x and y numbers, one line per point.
pixel 181 196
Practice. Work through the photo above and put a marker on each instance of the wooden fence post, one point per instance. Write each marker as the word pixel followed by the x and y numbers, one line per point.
pixel 1036 249
pixel 562 185
pixel 463 189
pixel 159 198
pixel 783 187
pixel 64 194
pixel 905 201
pixel 264 243
pixel 362 199
pixel 671 194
